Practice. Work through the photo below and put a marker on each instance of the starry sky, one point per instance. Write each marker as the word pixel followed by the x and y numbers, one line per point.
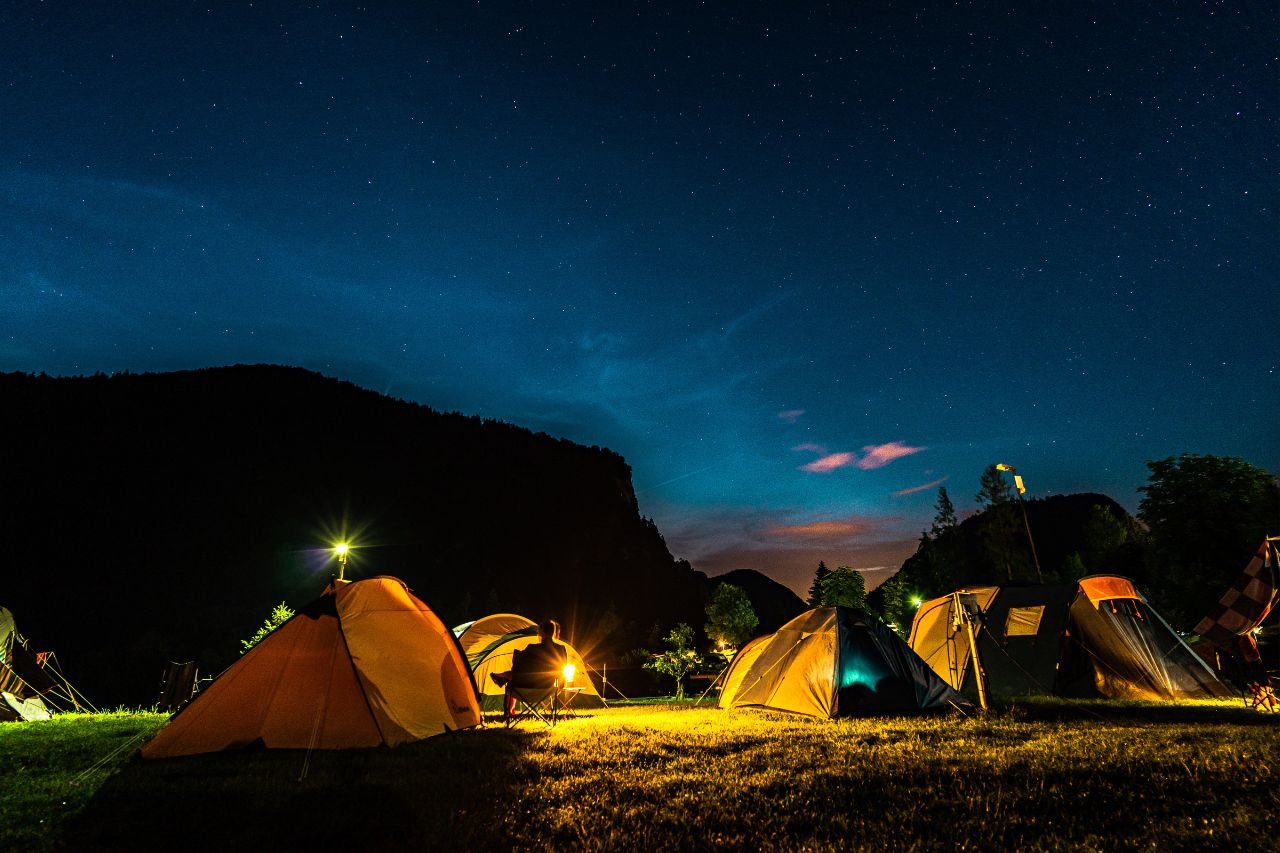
pixel 801 264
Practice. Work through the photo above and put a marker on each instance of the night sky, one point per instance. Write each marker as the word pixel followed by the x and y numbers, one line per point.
pixel 799 264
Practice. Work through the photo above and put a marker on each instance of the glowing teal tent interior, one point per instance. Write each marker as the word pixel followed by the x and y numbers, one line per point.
pixel 835 662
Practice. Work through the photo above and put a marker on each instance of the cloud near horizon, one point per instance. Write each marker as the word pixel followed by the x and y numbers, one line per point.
pixel 787 547
pixel 831 528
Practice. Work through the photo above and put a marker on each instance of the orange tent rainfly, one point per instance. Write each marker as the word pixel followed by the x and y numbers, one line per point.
pixel 365 664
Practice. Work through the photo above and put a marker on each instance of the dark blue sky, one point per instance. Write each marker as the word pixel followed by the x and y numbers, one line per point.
pixel 800 264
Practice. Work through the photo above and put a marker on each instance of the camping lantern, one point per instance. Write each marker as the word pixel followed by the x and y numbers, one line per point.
pixel 569 671
pixel 341 550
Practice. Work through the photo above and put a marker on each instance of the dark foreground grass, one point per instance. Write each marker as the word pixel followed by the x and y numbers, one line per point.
pixel 1046 775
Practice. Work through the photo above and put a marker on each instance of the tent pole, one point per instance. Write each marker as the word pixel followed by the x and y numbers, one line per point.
pixel 979 674
pixel 712 685
pixel 604 684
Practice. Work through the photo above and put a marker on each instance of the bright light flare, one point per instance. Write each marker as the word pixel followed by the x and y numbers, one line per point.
pixel 916 601
pixel 569 672
pixel 341 549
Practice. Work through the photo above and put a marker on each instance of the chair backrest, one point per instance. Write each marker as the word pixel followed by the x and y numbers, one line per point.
pixel 536 673
pixel 538 666
pixel 177 685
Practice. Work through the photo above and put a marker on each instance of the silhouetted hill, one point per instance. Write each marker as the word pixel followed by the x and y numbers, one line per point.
pixel 159 517
pixel 774 604
pixel 992 548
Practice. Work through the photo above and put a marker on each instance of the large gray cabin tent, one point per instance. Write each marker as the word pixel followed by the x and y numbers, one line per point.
pixel 1097 637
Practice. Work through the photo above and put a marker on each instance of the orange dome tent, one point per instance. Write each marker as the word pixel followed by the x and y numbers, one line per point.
pixel 365 664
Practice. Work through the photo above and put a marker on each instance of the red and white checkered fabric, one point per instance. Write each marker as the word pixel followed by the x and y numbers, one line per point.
pixel 1245 604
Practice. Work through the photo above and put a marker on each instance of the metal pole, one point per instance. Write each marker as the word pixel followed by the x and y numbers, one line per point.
pixel 1027 525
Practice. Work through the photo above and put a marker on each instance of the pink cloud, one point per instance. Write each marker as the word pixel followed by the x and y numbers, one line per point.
pixel 830 463
pixel 810 447
pixel 880 455
pixel 790 415
pixel 914 489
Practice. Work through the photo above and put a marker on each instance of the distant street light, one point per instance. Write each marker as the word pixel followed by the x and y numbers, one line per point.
pixel 1017 484
pixel 341 550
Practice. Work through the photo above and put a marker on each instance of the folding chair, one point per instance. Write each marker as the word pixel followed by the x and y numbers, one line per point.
pixel 1262 696
pixel 535 699
pixel 177 685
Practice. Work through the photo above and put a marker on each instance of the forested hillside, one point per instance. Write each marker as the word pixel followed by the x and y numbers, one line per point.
pixel 160 517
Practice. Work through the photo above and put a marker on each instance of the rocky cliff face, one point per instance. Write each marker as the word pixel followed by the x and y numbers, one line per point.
pixel 159 517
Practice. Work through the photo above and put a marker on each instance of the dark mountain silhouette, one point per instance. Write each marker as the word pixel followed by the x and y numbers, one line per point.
pixel 991 547
pixel 774 604
pixel 160 517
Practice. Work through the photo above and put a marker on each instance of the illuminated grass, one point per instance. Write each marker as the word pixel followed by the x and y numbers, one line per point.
pixel 50 770
pixel 1043 775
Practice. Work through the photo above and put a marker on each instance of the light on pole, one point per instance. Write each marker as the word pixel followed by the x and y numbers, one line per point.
pixel 1017 484
pixel 341 550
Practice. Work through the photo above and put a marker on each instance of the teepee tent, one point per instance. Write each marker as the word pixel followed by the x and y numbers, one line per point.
pixel 490 644
pixel 31 682
pixel 1095 637
pixel 365 664
pixel 834 662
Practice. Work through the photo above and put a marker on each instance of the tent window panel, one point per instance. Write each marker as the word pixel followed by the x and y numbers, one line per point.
pixel 1023 621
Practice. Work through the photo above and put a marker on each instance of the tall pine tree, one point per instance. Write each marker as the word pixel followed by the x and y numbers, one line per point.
pixel 815 591
pixel 994 489
pixel 946 516
pixel 999 533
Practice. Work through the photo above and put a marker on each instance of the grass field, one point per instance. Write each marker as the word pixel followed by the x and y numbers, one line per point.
pixel 1046 775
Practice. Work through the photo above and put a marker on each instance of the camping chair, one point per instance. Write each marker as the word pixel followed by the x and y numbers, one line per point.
pixel 177 685
pixel 535 698
pixel 1262 696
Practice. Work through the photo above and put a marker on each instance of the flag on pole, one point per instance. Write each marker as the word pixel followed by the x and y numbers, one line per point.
pixel 1245 604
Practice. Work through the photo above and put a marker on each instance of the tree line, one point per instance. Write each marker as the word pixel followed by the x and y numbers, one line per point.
pixel 1199 520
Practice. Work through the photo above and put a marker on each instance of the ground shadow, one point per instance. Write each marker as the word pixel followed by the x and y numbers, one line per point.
pixel 450 790
pixel 1069 710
